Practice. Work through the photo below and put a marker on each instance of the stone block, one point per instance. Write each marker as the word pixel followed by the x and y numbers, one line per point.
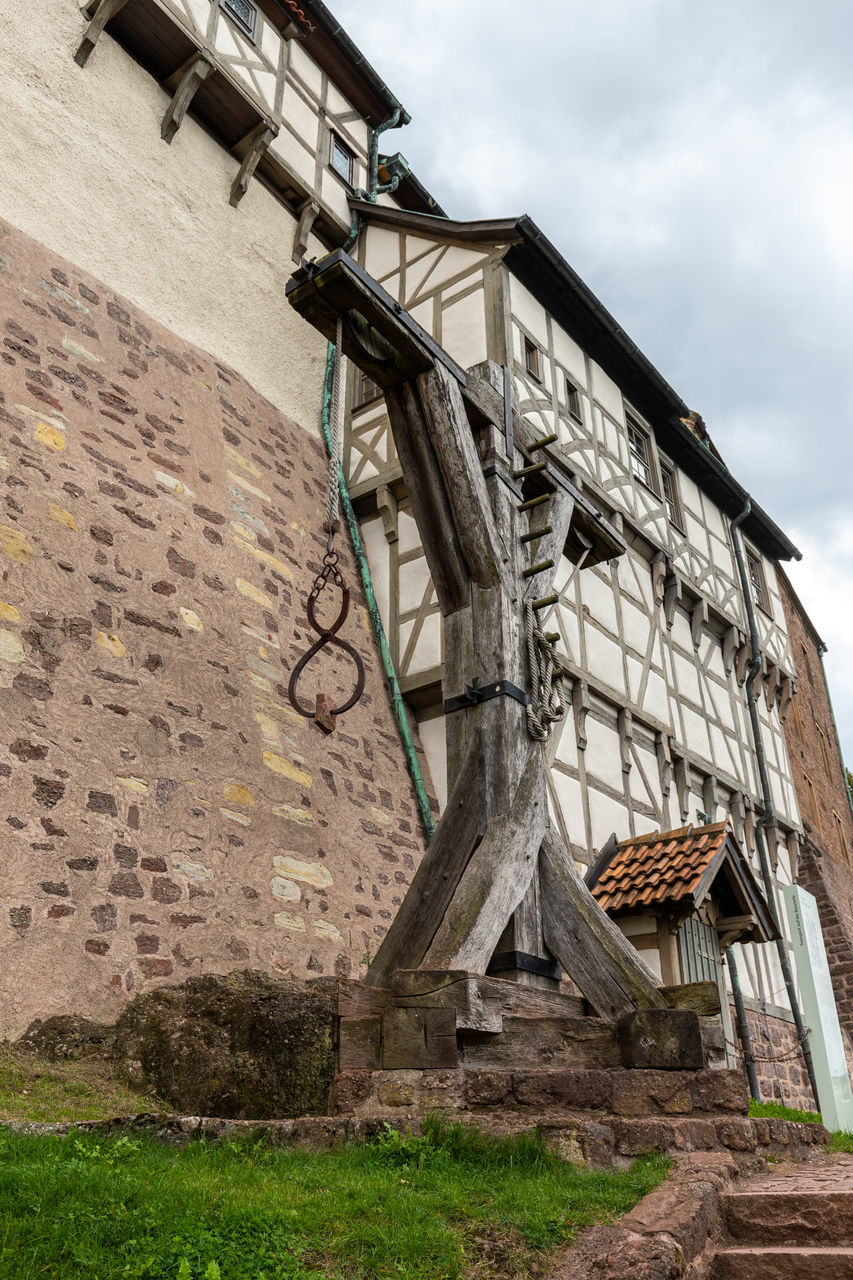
pixel 663 1039
pixel 722 1091
pixel 737 1134
pixel 575 1090
pixel 487 1088
pixel 650 1093
pixel 351 1089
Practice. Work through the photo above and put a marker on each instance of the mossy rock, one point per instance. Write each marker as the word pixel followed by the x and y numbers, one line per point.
pixel 65 1037
pixel 244 1046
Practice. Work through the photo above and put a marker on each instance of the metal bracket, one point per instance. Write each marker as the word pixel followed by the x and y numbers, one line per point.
pixel 526 963
pixel 475 694
pixel 493 470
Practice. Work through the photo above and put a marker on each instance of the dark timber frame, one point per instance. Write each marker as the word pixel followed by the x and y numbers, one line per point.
pixel 497 876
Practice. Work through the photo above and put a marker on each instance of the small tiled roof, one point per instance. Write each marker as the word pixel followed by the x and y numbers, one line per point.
pixel 662 868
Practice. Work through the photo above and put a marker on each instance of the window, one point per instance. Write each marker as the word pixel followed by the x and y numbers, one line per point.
pixel 641 454
pixel 756 577
pixel 531 359
pixel 824 747
pixel 842 838
pixel 573 401
pixel 342 160
pixel 813 809
pixel 243 14
pixel 798 724
pixel 366 390
pixel 670 494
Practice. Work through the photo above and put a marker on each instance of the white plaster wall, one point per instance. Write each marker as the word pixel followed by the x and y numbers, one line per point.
pixel 86 173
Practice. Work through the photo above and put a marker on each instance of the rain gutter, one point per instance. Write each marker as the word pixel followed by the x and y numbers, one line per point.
pixel 743 1026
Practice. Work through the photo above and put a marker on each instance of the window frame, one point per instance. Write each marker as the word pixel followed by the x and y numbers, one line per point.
pixel 671 502
pixel 646 459
pixel 573 399
pixel 250 33
pixel 361 396
pixel 842 838
pixel 337 143
pixel 532 358
pixel 760 594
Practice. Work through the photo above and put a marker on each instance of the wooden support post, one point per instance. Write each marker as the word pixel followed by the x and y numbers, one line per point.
pixel 105 10
pixel 259 140
pixel 496 879
pixel 194 75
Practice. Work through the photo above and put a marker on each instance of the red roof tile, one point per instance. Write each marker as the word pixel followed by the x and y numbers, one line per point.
pixel 664 867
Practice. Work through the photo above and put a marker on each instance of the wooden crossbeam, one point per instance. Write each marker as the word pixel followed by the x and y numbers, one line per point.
pixel 589 945
pixel 102 14
pixel 429 498
pixel 434 883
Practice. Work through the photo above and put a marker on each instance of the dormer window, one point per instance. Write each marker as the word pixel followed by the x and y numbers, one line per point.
pixel 243 14
pixel 342 159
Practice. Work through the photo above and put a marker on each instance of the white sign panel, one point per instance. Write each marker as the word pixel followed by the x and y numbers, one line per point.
pixel 819 1011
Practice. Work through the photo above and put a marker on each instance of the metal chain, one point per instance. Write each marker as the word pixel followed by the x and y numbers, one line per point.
pixel 546 678
pixel 332 522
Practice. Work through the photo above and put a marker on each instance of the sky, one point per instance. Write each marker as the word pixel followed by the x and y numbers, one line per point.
pixel 693 161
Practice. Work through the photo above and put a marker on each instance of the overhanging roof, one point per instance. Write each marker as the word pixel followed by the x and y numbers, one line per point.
pixel 543 270
pixel 675 871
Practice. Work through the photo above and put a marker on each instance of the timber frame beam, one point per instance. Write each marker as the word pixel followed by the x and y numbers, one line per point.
pixel 101 14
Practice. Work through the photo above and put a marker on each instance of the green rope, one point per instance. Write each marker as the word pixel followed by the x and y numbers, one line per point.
pixel 397 702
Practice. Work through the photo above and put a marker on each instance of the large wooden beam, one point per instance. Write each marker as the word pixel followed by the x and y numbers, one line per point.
pixel 496 878
pixel 429 498
pixel 590 947
pixel 434 884
pixel 488 560
pixel 105 10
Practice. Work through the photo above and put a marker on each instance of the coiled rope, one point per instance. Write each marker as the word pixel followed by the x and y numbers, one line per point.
pixel 547 677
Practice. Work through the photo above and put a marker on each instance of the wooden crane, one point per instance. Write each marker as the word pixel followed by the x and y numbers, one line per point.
pixel 497 869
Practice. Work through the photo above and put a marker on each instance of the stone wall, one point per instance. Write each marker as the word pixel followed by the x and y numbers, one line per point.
pixel 164 812
pixel 778 1063
pixel 832 886
pixel 813 743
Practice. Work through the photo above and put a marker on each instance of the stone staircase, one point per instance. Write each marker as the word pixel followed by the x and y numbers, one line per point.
pixel 791 1224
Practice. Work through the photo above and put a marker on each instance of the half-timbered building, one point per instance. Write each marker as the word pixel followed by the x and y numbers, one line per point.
pixel 168 165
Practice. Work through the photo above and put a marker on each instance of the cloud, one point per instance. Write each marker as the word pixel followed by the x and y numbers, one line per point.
pixel 695 164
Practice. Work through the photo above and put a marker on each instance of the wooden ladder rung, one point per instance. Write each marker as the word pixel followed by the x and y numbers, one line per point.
pixel 529 471
pixel 546 440
pixel 537 568
pixel 546 601
pixel 535 502
pixel 535 533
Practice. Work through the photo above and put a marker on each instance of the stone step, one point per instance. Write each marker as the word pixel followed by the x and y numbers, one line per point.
pixel 789 1217
pixel 779 1263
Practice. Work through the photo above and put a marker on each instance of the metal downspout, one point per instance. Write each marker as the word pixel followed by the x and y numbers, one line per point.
pixel 397 702
pixel 769 814
pixel 743 1026
pixel 394 121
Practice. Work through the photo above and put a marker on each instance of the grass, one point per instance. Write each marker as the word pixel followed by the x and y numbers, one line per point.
pixel 32 1089
pixel 841 1141
pixel 776 1111
pixel 451 1204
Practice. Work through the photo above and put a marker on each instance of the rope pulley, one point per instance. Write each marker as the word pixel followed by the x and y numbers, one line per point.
pixel 324 714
